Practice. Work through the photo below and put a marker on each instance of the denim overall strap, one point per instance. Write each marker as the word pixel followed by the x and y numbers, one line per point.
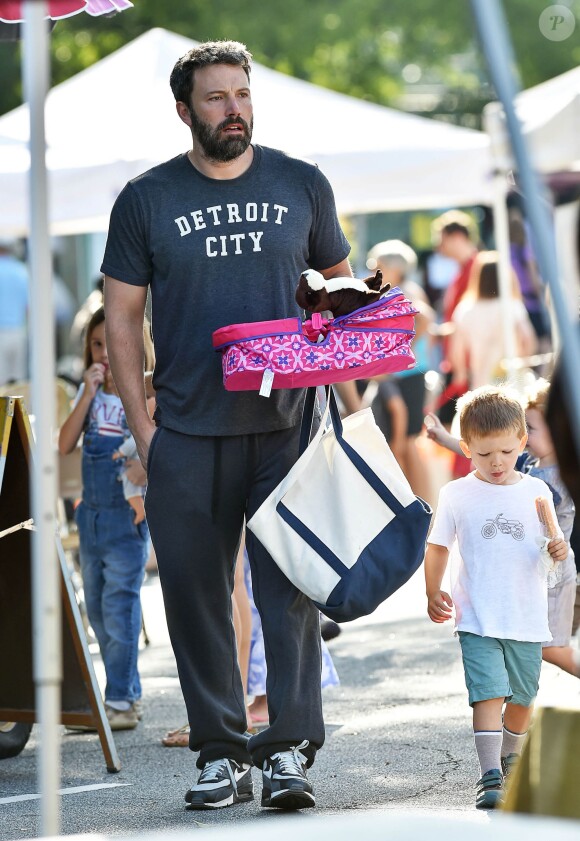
pixel 102 486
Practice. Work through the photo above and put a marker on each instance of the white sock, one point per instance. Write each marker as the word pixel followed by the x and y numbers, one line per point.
pixel 512 742
pixel 488 746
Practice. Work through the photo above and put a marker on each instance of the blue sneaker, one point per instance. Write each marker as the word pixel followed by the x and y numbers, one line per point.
pixel 489 790
pixel 508 763
pixel 286 785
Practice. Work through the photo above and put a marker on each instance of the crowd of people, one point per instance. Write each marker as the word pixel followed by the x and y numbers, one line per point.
pixel 247 643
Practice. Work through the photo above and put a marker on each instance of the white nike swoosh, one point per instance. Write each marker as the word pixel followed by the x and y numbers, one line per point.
pixel 210 786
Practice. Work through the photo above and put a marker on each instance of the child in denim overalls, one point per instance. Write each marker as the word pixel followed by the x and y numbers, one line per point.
pixel 113 549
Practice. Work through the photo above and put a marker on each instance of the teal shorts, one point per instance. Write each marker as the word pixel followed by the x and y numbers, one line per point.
pixel 496 668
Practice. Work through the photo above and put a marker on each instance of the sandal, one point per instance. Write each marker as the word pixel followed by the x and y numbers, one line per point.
pixel 177 738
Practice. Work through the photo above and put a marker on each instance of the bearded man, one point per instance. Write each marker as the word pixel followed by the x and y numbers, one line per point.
pixel 220 234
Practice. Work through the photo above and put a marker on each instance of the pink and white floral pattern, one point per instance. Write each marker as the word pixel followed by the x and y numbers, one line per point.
pixel 371 341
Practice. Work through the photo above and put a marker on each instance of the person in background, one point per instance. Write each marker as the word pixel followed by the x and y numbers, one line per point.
pixel 221 234
pixel 391 415
pixel 64 310
pixel 398 263
pixel 88 308
pixel 497 591
pixel 112 548
pixel 133 493
pixel 438 271
pixel 477 345
pixel 524 265
pixel 13 315
pixel 542 463
pixel 454 236
pixel 561 423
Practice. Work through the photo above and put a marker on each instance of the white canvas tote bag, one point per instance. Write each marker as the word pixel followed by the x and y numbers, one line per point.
pixel 344 525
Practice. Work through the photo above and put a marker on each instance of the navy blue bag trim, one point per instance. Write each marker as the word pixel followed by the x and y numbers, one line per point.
pixel 308 417
pixel 373 480
pixel 312 540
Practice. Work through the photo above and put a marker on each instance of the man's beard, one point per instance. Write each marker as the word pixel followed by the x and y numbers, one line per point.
pixel 221 149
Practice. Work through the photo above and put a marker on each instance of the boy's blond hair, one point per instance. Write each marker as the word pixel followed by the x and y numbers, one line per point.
pixel 490 410
pixel 537 395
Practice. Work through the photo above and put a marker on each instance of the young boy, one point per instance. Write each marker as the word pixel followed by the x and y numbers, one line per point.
pixel 489 520
pixel 544 465
pixel 539 459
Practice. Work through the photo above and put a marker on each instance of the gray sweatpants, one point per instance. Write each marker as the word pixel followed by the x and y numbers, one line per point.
pixel 199 491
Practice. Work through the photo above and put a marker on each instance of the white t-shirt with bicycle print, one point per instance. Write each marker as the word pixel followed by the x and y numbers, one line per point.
pixel 497 585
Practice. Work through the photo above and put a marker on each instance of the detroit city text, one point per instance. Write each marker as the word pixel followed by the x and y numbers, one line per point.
pixel 231 214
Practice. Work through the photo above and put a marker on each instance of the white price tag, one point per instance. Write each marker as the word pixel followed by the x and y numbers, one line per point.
pixel 267 380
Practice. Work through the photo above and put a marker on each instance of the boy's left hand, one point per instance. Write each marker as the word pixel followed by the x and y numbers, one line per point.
pixel 558 549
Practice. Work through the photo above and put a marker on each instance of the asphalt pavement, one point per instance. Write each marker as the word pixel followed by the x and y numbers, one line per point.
pixel 398 740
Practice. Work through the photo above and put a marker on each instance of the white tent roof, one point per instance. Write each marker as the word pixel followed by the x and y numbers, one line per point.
pixel 550 116
pixel 117 118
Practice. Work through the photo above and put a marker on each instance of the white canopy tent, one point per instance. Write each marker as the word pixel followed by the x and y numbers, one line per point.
pixel 117 118
pixel 550 117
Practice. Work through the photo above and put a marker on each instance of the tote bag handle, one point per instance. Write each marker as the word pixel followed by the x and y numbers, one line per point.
pixel 308 415
pixel 361 465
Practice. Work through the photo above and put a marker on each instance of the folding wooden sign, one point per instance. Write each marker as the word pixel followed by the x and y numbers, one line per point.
pixel 81 701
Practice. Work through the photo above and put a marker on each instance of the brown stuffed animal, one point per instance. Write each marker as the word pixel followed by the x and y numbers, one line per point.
pixel 340 295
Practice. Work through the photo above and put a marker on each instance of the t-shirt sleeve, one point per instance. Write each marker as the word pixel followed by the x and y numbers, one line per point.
pixel 328 244
pixel 128 447
pixel 127 257
pixel 443 531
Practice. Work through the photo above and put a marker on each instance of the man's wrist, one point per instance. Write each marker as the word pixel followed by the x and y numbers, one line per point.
pixel 141 428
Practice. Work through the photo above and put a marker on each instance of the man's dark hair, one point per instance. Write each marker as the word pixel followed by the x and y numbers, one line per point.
pixel 455 228
pixel 453 222
pixel 211 52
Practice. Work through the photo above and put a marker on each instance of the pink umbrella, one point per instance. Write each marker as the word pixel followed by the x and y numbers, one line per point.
pixel 12 11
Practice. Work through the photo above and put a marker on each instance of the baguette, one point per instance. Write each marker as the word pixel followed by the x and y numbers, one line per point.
pixel 546 517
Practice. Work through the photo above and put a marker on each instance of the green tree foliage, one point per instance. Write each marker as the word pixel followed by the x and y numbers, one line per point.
pixel 417 54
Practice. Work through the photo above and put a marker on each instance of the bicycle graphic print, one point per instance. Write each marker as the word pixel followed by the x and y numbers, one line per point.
pixel 504 526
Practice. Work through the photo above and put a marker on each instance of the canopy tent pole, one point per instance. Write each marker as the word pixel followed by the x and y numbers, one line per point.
pixel 495 129
pixel 493 33
pixel 47 646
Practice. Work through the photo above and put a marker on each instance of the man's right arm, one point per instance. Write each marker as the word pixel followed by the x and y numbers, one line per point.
pixel 124 314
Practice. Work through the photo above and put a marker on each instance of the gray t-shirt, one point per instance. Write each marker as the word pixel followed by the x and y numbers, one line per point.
pixel 219 252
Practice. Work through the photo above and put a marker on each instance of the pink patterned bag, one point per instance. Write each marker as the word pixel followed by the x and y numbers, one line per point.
pixel 289 353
